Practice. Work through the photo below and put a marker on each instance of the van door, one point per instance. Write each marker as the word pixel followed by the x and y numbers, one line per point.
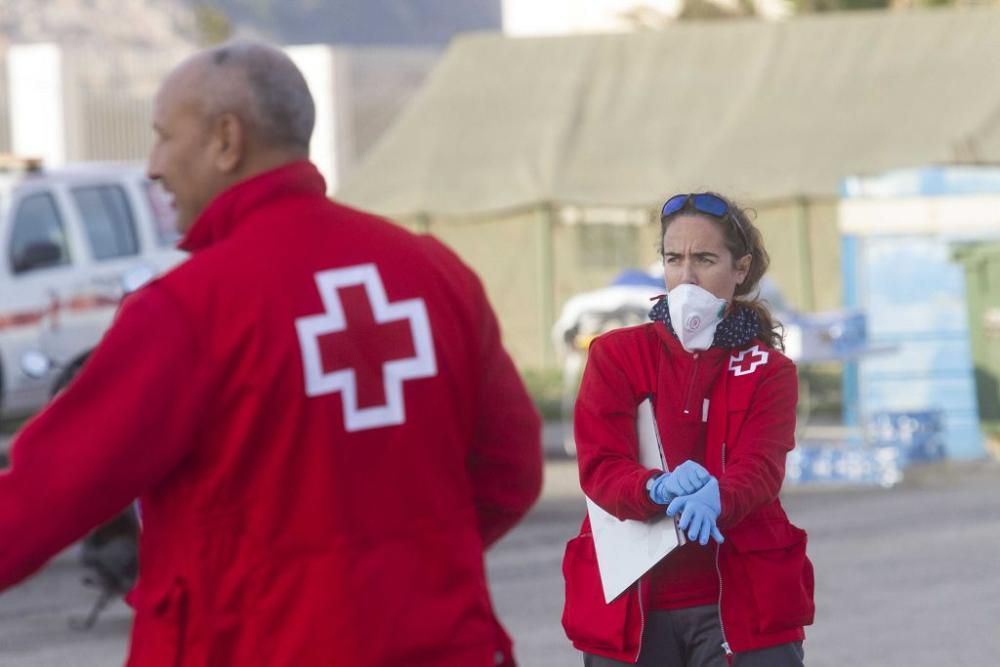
pixel 107 228
pixel 38 263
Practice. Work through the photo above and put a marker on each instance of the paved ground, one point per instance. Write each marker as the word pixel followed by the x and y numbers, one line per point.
pixel 907 576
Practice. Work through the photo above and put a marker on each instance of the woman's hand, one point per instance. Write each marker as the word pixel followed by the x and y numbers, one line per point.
pixel 685 479
pixel 699 512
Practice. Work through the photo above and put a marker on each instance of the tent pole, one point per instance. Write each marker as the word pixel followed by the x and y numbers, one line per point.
pixel 423 223
pixel 805 255
pixel 546 260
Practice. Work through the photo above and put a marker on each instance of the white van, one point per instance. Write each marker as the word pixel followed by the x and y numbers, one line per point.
pixel 71 241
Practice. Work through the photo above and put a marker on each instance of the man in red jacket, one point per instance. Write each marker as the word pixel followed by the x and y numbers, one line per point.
pixel 315 411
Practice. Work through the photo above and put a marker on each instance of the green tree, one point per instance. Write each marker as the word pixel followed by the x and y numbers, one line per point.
pixel 213 26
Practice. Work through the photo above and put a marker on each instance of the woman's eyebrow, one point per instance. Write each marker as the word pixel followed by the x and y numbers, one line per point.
pixel 671 253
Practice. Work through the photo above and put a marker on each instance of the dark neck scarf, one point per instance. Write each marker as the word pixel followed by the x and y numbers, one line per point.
pixel 737 328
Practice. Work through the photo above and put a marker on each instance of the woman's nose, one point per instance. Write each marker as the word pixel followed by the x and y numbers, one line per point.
pixel 688 274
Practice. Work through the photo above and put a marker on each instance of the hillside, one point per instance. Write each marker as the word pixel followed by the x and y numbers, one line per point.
pixel 144 25
pixel 172 25
pixel 362 22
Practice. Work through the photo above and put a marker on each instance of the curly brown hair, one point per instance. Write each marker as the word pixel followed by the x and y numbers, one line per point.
pixel 742 238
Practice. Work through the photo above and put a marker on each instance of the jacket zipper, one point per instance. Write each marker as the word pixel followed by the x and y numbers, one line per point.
pixel 718 572
pixel 182 621
pixel 642 622
pixel 694 374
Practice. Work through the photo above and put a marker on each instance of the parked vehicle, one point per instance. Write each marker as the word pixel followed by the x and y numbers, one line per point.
pixel 73 240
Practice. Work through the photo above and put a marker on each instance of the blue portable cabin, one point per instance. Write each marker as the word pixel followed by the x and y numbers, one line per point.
pixel 898 231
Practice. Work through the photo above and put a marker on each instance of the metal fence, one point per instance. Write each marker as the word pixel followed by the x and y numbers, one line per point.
pixel 109 100
pixel 5 138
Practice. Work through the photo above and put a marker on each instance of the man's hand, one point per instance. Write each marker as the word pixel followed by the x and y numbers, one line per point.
pixel 699 511
pixel 685 479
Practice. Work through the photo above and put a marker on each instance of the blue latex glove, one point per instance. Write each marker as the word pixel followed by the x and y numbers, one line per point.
pixel 686 478
pixel 699 511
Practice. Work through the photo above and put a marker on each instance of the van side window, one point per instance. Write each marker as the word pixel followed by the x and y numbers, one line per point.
pixel 38 238
pixel 108 221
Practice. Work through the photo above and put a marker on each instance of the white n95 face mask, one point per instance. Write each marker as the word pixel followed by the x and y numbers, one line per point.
pixel 695 314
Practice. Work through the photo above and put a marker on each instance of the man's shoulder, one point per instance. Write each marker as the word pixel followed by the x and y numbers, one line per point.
pixel 346 213
pixel 418 244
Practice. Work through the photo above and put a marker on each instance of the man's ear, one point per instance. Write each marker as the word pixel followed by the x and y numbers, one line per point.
pixel 229 135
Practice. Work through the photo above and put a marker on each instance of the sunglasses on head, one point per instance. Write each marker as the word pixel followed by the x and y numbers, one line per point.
pixel 706 203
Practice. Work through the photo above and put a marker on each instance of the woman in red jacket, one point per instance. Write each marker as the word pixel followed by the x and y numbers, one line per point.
pixel 740 590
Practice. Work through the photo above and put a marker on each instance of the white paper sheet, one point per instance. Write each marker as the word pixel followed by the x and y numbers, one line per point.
pixel 627 549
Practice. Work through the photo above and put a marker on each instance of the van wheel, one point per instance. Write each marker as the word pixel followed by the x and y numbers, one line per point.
pixel 69 373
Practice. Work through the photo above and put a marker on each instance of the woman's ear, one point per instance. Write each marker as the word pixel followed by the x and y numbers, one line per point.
pixel 743 268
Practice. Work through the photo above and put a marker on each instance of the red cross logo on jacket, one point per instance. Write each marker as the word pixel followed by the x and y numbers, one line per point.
pixel 747 361
pixel 393 337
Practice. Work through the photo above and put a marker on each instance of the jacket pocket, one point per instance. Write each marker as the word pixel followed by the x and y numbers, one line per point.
pixel 587 619
pixel 771 558
pixel 161 628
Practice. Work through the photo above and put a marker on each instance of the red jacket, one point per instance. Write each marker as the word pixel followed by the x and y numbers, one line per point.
pixel 325 432
pixel 765 578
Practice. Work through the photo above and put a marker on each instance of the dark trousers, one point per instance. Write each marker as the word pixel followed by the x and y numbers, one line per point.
pixel 693 638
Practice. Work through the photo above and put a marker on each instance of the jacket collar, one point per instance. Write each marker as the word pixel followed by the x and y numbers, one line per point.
pixel 738 328
pixel 712 355
pixel 225 213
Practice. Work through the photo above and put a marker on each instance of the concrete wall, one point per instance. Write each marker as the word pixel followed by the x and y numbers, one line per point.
pixel 84 104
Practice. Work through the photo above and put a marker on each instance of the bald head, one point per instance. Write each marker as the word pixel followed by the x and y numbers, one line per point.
pixel 258 83
pixel 225 115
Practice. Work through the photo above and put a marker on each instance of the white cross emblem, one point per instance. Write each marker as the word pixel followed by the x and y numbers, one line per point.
pixel 423 364
pixel 740 364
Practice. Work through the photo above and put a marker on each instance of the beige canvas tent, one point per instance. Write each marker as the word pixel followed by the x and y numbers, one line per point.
pixel 542 161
